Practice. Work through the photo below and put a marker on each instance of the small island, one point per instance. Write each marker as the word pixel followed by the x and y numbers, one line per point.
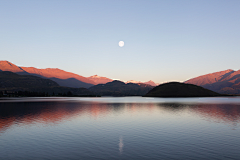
pixel 177 89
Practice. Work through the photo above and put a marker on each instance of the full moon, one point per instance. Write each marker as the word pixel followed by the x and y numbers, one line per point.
pixel 121 44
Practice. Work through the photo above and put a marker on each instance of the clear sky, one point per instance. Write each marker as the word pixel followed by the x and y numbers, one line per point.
pixel 164 40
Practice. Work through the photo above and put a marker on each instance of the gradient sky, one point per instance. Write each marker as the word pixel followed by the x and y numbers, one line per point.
pixel 164 40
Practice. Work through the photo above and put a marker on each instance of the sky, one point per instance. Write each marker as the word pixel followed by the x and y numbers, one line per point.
pixel 164 40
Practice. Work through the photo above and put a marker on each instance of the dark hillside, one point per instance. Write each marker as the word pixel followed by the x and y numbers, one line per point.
pixel 118 88
pixel 12 82
pixel 176 89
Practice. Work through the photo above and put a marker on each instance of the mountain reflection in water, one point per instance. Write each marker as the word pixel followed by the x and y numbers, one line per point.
pixel 45 112
pixel 54 112
pixel 226 113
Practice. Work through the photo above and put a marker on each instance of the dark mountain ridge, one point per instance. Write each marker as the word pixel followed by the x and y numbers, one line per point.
pixel 118 88
pixel 13 82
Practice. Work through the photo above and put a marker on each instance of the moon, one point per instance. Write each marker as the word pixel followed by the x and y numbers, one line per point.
pixel 121 43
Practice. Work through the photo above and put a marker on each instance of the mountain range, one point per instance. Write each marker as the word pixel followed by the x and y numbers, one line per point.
pixel 63 78
pixel 225 82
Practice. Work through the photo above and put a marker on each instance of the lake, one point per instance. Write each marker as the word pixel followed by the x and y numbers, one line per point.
pixel 120 128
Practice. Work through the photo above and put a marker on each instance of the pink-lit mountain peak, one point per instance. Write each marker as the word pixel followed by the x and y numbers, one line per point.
pixel 132 81
pixel 212 77
pixel 148 82
pixel 8 66
pixel 225 82
pixel 96 76
pixel 99 80
pixel 151 83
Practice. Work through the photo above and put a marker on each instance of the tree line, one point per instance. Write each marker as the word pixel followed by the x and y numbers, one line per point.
pixel 39 94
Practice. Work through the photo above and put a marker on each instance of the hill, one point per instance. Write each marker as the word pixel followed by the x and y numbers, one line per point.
pixel 225 82
pixel 13 82
pixel 151 83
pixel 176 89
pixel 118 88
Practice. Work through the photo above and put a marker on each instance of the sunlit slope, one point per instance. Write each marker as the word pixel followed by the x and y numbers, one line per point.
pixel 63 78
pixel 99 80
pixel 225 82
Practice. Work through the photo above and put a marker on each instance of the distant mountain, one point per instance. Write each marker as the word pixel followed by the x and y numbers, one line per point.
pixel 152 83
pixel 62 77
pixel 118 88
pixel 99 80
pixel 176 89
pixel 10 81
pixel 149 82
pixel 132 81
pixel 225 82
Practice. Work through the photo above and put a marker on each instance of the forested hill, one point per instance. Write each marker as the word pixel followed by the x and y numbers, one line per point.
pixel 118 88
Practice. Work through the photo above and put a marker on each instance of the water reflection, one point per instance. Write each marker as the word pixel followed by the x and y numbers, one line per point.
pixel 55 112
pixel 221 113
pixel 120 144
pixel 173 107
pixel 46 112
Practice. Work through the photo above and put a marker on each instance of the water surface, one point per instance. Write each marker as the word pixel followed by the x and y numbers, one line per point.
pixel 120 128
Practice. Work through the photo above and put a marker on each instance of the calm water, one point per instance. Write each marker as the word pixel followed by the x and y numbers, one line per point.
pixel 120 128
